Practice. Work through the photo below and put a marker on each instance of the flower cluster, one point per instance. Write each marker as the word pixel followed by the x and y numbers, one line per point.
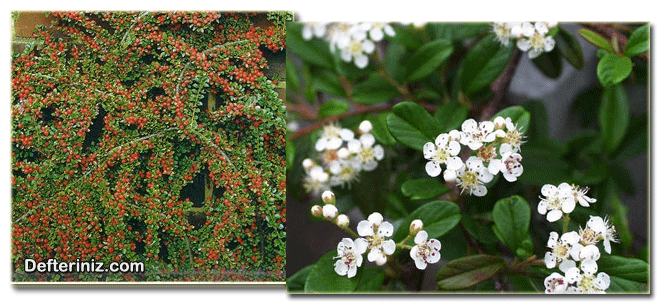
pixel 373 237
pixel 532 38
pixel 355 41
pixel 496 144
pixel 342 157
pixel 575 253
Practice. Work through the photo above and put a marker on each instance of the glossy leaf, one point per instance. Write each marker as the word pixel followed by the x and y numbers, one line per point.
pixel 613 69
pixel 511 216
pixel 570 48
pixel 380 131
pixel 450 116
pixel 333 107
pixel 428 58
pixel 483 64
pixel 296 282
pixel 327 82
pixel 323 278
pixel 469 271
pixel 596 39
pixel 439 217
pixel 549 63
pixel 412 126
pixel 371 280
pixel 613 117
pixel 373 90
pixel 626 274
pixel 423 188
pixel 639 41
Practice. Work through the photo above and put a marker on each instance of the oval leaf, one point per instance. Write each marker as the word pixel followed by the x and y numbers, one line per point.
pixel 469 271
pixel 439 217
pixel 511 216
pixel 626 274
pixel 613 117
pixel 613 69
pixel 639 42
pixel 373 90
pixel 423 188
pixel 333 107
pixel 428 58
pixel 323 278
pixel 412 126
pixel 483 64
pixel 550 64
pixel 450 116
pixel 570 48
pixel 380 131
pixel 595 39
pixel 315 51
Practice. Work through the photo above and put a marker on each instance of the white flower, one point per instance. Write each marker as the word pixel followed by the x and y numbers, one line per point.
pixel 556 201
pixel 350 257
pixel 580 195
pixel 314 29
pixel 512 136
pixel 561 249
pixel 475 134
pixel 368 154
pixel 521 29
pixel 502 32
pixel 587 282
pixel 536 42
pixel 509 165
pixel 332 137
pixel 444 151
pixel 316 180
pixel 472 175
pixel 365 127
pixel 329 212
pixel 416 226
pixel 344 172
pixel 378 30
pixel 427 251
pixel 603 230
pixel 376 231
pixel 555 283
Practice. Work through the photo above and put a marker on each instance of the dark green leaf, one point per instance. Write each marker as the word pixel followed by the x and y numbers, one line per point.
pixel 620 219
pixel 322 277
pixel 439 217
pixel 613 69
pixel 328 82
pixel 622 178
pixel 428 58
pixel 639 41
pixel 380 131
pixel 450 116
pixel 315 51
pixel 483 64
pixel 406 36
pixel 296 282
pixel 290 154
pixel 613 117
pixel 373 90
pixel 636 140
pixel 479 228
pixel 626 274
pixel 512 216
pixel 519 116
pixel 536 163
pixel 469 271
pixel 291 76
pixel 423 188
pixel 596 39
pixel 396 58
pixel 593 175
pixel 333 107
pixel 412 126
pixel 456 31
pixel 586 104
pixel 549 63
pixel 570 48
pixel 371 279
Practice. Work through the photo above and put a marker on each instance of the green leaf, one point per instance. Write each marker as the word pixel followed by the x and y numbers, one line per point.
pixel 315 51
pixel 322 277
pixel 396 58
pixel 469 271
pixel 636 140
pixel 371 279
pixel 613 69
pixel 456 31
pixel 450 115
pixel 639 41
pixel 512 216
pixel 290 154
pixel 380 131
pixel 328 82
pixel 570 48
pixel 622 178
pixel 519 116
pixel 423 188
pixel 483 64
pixel 613 117
pixel 428 58
pixel 620 219
pixel 412 126
pixel 479 228
pixel 406 36
pixel 373 90
pixel 296 282
pixel 439 217
pixel 596 39
pixel 291 76
pixel 333 107
pixel 626 274
pixel 536 162
pixel 549 63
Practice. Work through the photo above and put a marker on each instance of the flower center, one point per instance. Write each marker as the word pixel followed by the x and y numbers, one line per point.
pixel 331 131
pixel 537 41
pixel 561 251
pixel 501 30
pixel 513 138
pixel 329 156
pixel 554 282
pixel 469 179
pixel 554 203
pixel 375 240
pixel 367 154
pixel 486 153
pixel 587 283
pixel 425 251
pixel 588 237
pixel 512 163
pixel 441 156
pixel 355 47
pixel 348 257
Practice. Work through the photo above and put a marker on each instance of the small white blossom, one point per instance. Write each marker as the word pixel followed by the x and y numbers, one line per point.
pixel 328 197
pixel 474 134
pixel 333 137
pixel 342 221
pixel 416 226
pixel 427 251
pixel 580 195
pixel 369 154
pixel 344 172
pixel 555 283
pixel 536 42
pixel 502 32
pixel 329 212
pixel 472 176
pixel 603 231
pixel 376 233
pixel 556 202
pixel 443 151
pixel 314 29
pixel 509 164
pixel 316 180
pixel 509 132
pixel 378 30
pixel 561 249
pixel 586 280
pixel 350 257
pixel 365 127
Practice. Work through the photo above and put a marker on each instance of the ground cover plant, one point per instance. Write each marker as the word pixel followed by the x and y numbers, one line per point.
pixel 409 169
pixel 152 137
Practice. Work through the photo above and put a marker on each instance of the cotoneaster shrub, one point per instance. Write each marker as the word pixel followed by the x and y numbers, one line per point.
pixel 150 137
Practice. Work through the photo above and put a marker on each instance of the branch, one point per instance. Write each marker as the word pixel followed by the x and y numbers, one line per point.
pixel 609 31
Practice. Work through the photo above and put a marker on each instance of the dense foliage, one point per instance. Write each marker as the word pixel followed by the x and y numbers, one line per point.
pixel 150 137
pixel 435 97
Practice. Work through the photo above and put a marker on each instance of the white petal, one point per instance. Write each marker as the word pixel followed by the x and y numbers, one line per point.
pixel 554 215
pixel 376 34
pixel 360 246
pixel 370 165
pixel 573 275
pixel 570 238
pixel 469 125
pixel 320 144
pixel 548 44
pixel 495 166
pixel 433 168
pixel 548 190
pixel 333 143
pixel 368 46
pixel 528 29
pixel 420 263
pixel 541 27
pixel 361 61
pixel 602 281
pixel 485 176
pixel 453 147
pixel 352 271
pixel 589 267
pixel 454 163
pixel 565 265
pixel 607 246
pixel 421 237
pixel 388 247
pixel 379 152
pixel 364 228
pixel 533 53
pixel 550 260
pixel 434 244
pixel 567 204
pixel 367 140
pixel 479 190
pixel 341 268
pixel 449 175
pixel 354 146
pixel 365 126
pixel 429 150
pixel 542 208
pixel 552 239
pixel 385 229
pixel 375 218
pixel 523 45
pixel 433 257
pixel 442 140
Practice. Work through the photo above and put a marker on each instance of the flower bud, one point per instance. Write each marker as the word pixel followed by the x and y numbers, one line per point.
pixel 329 212
pixel 449 175
pixel 328 197
pixel 365 127
pixel 342 221
pixel 416 226
pixel 308 164
pixel 317 211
